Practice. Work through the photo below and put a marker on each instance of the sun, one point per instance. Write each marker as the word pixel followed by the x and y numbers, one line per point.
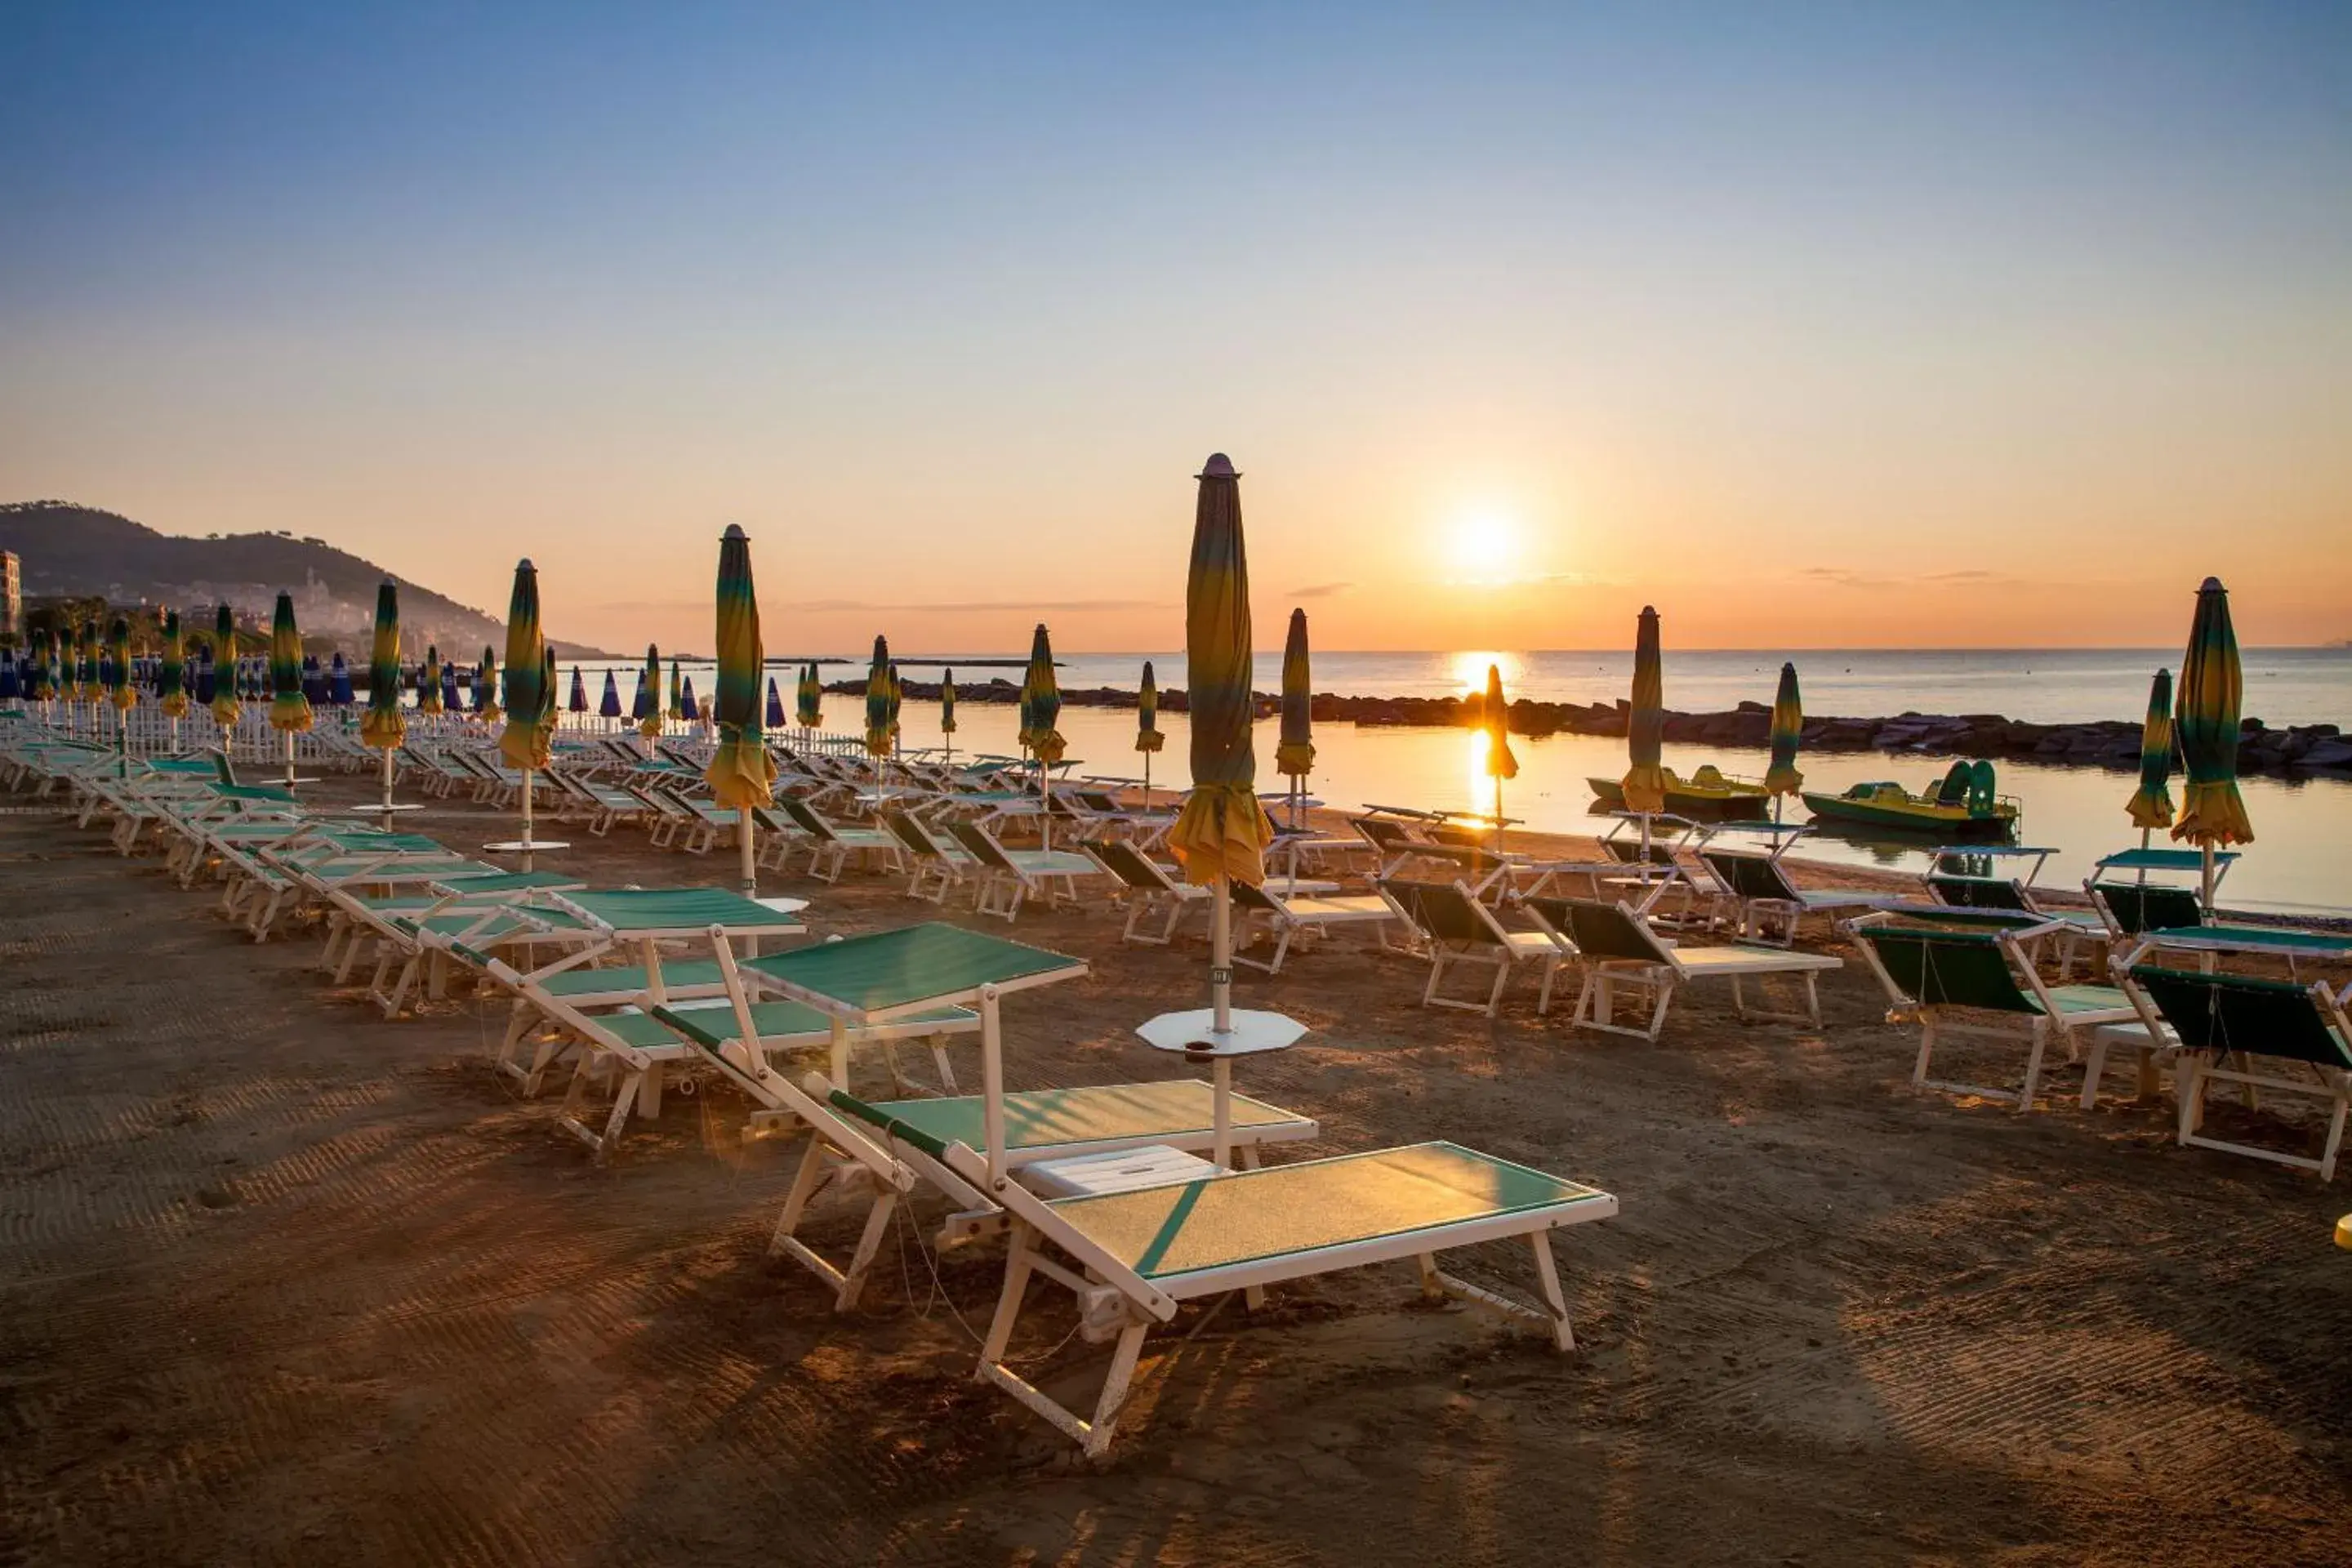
pixel 1485 545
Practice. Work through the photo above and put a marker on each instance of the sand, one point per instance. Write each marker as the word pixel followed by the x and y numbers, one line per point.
pixel 284 1282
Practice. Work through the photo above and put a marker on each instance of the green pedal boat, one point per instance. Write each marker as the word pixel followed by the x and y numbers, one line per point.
pixel 1963 805
pixel 1709 795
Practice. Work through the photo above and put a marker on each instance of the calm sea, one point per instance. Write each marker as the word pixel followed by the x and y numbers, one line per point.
pixel 2301 860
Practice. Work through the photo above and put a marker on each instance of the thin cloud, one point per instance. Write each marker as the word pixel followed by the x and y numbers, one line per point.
pixel 976 607
pixel 1962 577
pixel 1320 591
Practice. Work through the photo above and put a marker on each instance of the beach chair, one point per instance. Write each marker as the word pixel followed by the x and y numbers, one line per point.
pixel 2074 930
pixel 1286 919
pixel 2213 1017
pixel 1007 877
pixel 2130 904
pixel 1146 888
pixel 1396 844
pixel 1764 905
pixel 1456 929
pixel 939 868
pixel 1962 975
pixel 831 845
pixel 1134 1257
pixel 1616 948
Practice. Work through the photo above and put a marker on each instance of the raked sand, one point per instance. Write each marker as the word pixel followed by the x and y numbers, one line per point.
pixel 283 1282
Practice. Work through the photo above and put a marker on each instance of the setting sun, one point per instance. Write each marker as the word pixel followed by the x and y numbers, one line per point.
pixel 1486 543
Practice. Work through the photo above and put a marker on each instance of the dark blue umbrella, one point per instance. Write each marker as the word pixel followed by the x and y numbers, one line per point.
pixel 339 683
pixel 579 691
pixel 11 685
pixel 450 700
pixel 685 699
pixel 314 682
pixel 610 707
pixel 775 706
pixel 202 686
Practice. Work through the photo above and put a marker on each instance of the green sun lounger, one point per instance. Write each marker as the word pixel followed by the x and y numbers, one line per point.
pixel 1615 948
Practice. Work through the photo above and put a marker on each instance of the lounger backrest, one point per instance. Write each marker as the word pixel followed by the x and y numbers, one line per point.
pixel 1254 898
pixel 1443 911
pixel 1129 864
pixel 1749 876
pixel 1388 837
pixel 912 834
pixel 2136 908
pixel 981 847
pixel 2243 1012
pixel 1606 930
pixel 1947 969
pixel 1975 892
pixel 803 817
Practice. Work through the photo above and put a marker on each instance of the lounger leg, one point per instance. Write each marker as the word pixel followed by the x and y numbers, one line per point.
pixel 1008 1299
pixel 650 1092
pixel 1554 1300
pixel 804 1185
pixel 1812 999
pixel 2033 1065
pixel 1658 1018
pixel 1926 1049
pixel 939 1059
pixel 2095 1063
pixel 1437 972
pixel 1738 999
pixel 2189 1089
pixel 869 1241
pixel 2335 1132
pixel 1502 978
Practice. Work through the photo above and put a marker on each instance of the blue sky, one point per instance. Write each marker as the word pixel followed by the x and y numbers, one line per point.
pixel 1949 322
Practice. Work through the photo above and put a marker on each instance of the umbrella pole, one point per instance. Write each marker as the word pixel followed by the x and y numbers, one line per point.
pixel 743 843
pixel 2208 880
pixel 1147 783
pixel 525 819
pixel 387 789
pixel 1220 1002
pixel 289 759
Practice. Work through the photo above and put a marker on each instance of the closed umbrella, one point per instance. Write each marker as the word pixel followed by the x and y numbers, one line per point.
pixel 687 704
pixel 1495 718
pixel 649 712
pixel 1027 700
pixel 811 697
pixel 289 710
pixel 1293 754
pixel 486 686
pixel 579 702
pixel 898 700
pixel 452 699
pixel 2150 806
pixel 878 701
pixel 339 683
pixel 2212 686
pixel 677 690
pixel 384 725
pixel 1221 834
pixel 947 711
pixel 608 707
pixel 1147 738
pixel 1782 779
pixel 200 686
pixel 225 708
pixel 171 676
pixel 1045 741
pixel 429 681
pixel 314 683
pixel 119 693
pixel 772 715
pixel 1644 784
pixel 12 680
pixel 741 774
pixel 527 740
pixel 86 679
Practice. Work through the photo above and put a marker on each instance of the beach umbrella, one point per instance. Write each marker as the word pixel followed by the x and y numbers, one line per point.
pixel 384 726
pixel 2150 806
pixel 339 682
pixel 1645 781
pixel 527 740
pixel 171 676
pixel 898 700
pixel 774 717
pixel 1147 738
pixel 12 680
pixel 1293 754
pixel 878 701
pixel 452 699
pixel 43 688
pixel 1027 700
pixel 1788 732
pixel 1221 834
pixel 609 705
pixel 741 774
pixel 85 686
pixel 648 705
pixel 200 685
pixel 677 690
pixel 314 684
pixel 119 690
pixel 486 686
pixel 289 710
pixel 1495 718
pixel 688 705
pixel 1045 741
pixel 811 697
pixel 947 710
pixel 578 703
pixel 2212 686
pixel 429 681
pixel 225 708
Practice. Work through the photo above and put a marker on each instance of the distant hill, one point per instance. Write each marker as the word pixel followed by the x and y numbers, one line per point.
pixel 78 549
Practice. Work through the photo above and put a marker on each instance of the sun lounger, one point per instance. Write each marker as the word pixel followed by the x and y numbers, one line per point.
pixel 1286 918
pixel 830 845
pixel 1007 877
pixel 938 866
pixel 1764 905
pixel 1146 888
pixel 1615 947
pixel 1456 928
pixel 1971 972
pixel 2074 930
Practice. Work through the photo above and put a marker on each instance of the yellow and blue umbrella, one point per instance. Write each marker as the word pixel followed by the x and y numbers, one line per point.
pixel 741 773
pixel 225 707
pixel 1147 738
pixel 119 690
pixel 947 702
pixel 1645 730
pixel 677 689
pixel 527 740
pixel 810 699
pixel 898 700
pixel 2213 688
pixel 1045 742
pixel 647 709
pixel 429 681
pixel 289 710
pixel 2150 806
pixel 1293 754
pixel 384 725
pixel 878 701
pixel 1223 831
pixel 486 686
pixel 1788 732
pixel 171 679
pixel 85 686
pixel 1495 718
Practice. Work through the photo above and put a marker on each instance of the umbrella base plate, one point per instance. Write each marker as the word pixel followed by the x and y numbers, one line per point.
pixel 1194 1033
pixel 523 846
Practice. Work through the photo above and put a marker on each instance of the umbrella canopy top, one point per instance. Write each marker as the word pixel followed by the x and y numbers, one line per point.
pixel 1044 707
pixel 1223 830
pixel 1788 733
pixel 2210 692
pixel 2150 806
pixel 1645 781
pixel 527 741
pixel 877 700
pixel 1495 718
pixel 742 773
pixel 1294 755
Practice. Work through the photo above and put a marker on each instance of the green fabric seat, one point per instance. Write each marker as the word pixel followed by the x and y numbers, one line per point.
pixel 1061 1117
pixel 2245 1013
pixel 629 980
pixel 717 1027
pixel 642 910
pixel 894 969
pixel 2263 937
pixel 1164 1233
pixel 2138 908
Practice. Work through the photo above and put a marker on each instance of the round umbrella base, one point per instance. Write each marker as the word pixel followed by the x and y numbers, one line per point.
pixel 525 846
pixel 379 810
pixel 1194 1033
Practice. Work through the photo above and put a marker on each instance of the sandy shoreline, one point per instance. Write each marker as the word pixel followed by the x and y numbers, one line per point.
pixel 287 1282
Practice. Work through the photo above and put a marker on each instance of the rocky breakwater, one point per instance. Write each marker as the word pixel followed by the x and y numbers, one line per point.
pixel 2301 749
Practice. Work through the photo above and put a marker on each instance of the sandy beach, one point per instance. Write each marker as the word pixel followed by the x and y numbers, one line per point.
pixel 286 1282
